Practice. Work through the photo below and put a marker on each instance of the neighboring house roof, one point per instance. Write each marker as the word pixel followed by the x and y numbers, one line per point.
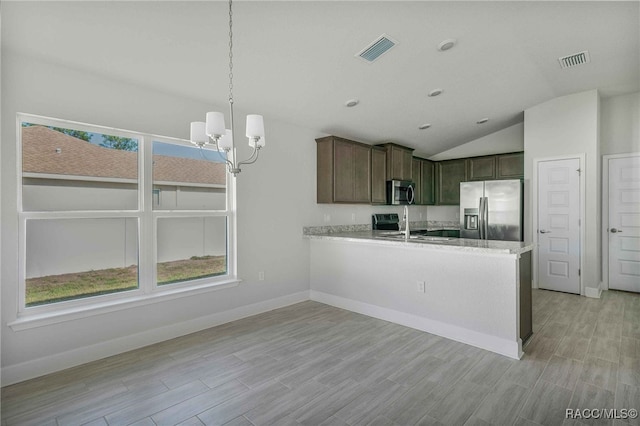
pixel 47 151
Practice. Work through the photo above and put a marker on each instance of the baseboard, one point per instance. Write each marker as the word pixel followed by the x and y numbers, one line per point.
pixel 593 292
pixel 495 344
pixel 30 369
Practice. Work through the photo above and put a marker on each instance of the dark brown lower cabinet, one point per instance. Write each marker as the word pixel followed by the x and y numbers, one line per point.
pixel 526 314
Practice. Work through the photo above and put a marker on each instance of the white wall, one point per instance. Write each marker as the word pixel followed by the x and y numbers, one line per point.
pixel 565 126
pixel 620 124
pixel 269 225
pixel 503 141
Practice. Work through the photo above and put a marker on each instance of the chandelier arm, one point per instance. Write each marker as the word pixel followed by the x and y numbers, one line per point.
pixel 252 159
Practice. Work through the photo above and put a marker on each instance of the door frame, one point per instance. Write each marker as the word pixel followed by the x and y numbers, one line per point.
pixel 534 213
pixel 604 240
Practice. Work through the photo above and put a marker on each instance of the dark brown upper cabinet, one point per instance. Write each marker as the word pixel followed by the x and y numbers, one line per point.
pixel 344 171
pixel 356 173
pixel 500 166
pixel 449 175
pixel 416 177
pixel 378 175
pixel 510 166
pixel 399 159
pixel 427 182
pixel 424 179
pixel 481 168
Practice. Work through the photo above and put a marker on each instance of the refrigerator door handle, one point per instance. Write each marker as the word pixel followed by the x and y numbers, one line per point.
pixel 485 219
pixel 481 218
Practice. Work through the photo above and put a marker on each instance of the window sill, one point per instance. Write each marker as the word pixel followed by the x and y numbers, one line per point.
pixel 28 321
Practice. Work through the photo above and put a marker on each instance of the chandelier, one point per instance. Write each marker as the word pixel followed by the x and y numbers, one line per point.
pixel 213 131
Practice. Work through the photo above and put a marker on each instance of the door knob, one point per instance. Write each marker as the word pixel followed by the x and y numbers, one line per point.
pixel 614 230
pixel 542 231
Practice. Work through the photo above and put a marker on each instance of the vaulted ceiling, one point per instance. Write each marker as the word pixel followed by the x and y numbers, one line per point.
pixel 294 60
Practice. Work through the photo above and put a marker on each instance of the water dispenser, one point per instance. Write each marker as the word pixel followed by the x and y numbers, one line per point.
pixel 471 219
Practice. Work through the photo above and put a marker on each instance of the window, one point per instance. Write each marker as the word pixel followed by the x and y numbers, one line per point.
pixel 108 215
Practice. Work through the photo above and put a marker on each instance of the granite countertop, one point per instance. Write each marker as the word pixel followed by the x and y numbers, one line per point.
pixel 387 238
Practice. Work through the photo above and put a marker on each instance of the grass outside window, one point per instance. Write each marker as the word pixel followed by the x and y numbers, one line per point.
pixel 58 288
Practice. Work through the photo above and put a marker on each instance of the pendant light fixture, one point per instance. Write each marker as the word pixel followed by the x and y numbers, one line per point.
pixel 213 131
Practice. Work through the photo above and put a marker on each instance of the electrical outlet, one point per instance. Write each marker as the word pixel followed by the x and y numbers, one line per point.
pixel 420 286
pixel 420 215
pixel 353 217
pixel 261 276
pixel 327 217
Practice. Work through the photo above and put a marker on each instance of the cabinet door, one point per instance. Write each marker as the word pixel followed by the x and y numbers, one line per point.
pixel 378 176
pixel 481 168
pixel 343 172
pixel 399 163
pixel 510 166
pixel 324 163
pixel 416 177
pixel 407 162
pixel 395 164
pixel 361 174
pixel 450 174
pixel 427 187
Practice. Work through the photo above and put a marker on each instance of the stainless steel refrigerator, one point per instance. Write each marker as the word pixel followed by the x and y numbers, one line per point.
pixel 491 210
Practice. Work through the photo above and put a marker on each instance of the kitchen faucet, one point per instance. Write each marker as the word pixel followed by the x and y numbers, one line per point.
pixel 405 217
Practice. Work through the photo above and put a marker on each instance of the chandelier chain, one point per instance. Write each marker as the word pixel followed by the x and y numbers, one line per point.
pixel 230 53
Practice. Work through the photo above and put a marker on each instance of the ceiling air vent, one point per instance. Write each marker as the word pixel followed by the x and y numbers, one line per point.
pixel 374 50
pixel 575 59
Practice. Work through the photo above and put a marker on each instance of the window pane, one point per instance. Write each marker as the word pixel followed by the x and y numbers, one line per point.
pixel 75 258
pixel 65 169
pixel 188 178
pixel 191 248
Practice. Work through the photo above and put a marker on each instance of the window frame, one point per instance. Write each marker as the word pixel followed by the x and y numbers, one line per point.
pixel 148 290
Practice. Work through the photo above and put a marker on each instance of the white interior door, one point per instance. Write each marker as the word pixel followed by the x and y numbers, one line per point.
pixel 624 223
pixel 559 225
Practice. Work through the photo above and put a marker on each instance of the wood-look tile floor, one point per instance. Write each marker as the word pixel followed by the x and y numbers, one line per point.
pixel 313 364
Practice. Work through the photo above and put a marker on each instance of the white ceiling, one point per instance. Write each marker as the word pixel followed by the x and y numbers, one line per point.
pixel 295 61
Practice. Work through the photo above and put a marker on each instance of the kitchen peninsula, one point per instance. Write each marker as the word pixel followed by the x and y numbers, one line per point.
pixel 474 291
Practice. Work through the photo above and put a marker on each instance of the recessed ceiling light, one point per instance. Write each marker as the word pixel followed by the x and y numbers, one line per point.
pixel 435 92
pixel 447 44
pixel 351 103
pixel 482 121
pixel 424 126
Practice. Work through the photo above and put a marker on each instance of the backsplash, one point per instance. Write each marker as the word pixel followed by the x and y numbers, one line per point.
pixel 435 224
pixel 313 230
pixel 428 224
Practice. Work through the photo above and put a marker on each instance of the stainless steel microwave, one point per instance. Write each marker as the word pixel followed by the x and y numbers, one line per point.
pixel 400 192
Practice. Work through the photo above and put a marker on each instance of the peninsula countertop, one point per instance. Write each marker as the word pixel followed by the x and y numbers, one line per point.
pixel 393 238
